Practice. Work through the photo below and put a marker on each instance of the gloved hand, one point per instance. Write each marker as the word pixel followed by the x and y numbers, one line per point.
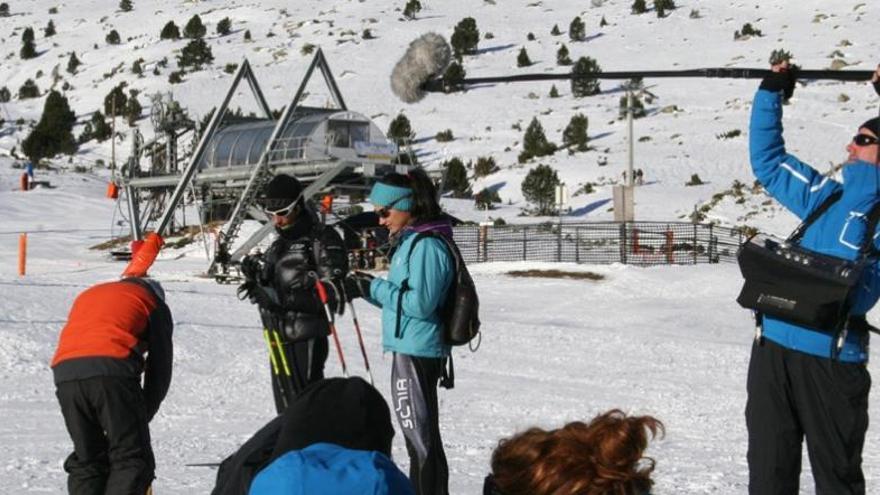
pixel 782 79
pixel 250 267
pixel 257 295
pixel 357 284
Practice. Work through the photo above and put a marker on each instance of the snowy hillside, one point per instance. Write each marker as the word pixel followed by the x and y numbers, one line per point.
pixel 667 341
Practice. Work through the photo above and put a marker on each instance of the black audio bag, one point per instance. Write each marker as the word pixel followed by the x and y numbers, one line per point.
pixel 795 284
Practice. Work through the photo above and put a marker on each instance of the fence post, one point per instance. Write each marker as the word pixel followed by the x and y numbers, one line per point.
pixel 577 244
pixel 695 244
pixel 622 241
pixel 670 241
pixel 559 245
pixel 484 237
pixel 22 254
pixel 525 239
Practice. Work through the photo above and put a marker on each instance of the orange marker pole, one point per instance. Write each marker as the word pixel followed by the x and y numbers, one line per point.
pixel 22 254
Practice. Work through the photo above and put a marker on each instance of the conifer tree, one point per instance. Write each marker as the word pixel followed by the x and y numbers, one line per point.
pixel 170 32
pixel 603 22
pixel 411 8
pixel 554 93
pixel 453 77
pixel 583 84
pixel 195 54
pixel 555 31
pixel 28 90
pixel 562 57
pixel 73 63
pixel 523 60
pixel 661 6
pixel 115 101
pixel 247 35
pixel 194 28
pixel 5 95
pixel 539 188
pixel 126 5
pixel 577 30
pixel 456 180
pixel 575 134
pixel 133 108
pixel 484 166
pixel 465 37
pixel 100 128
pixel 224 27
pixel 112 38
pixel 49 30
pixel 52 134
pixel 400 130
pixel 28 48
pixel 535 143
pixel 4 9
pixel 639 7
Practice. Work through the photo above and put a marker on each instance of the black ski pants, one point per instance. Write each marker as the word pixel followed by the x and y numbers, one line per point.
pixel 107 421
pixel 302 364
pixel 792 395
pixel 414 383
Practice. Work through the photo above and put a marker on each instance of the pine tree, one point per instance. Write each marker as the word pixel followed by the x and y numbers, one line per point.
pixel 456 179
pixel 523 60
pixel 28 90
pixel 399 130
pixel 486 199
pixel 117 95
pixel 465 37
pixel 28 48
pixel 126 5
pixel 583 84
pixel 555 31
pixel 247 35
pixel 554 93
pixel 49 30
pixel 577 30
pixel 133 108
pixel 639 7
pixel 170 32
pixel 224 27
pixel 73 63
pixel 5 95
pixel 195 54
pixel 638 108
pixel 53 133
pixel 539 188
pixel 661 6
pixel 575 134
pixel 4 9
pixel 137 67
pixel 112 38
pixel 485 166
pixel 535 143
pixel 101 130
pixel 412 8
pixel 603 22
pixel 562 57
pixel 194 28
pixel 453 77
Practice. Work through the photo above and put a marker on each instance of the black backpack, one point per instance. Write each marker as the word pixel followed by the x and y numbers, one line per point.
pixel 460 310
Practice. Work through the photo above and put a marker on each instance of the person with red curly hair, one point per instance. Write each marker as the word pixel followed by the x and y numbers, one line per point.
pixel 604 457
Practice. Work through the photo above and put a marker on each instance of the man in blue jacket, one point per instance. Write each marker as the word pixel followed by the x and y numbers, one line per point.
pixel 796 388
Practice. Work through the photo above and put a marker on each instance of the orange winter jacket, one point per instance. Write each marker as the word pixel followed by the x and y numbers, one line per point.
pixel 110 329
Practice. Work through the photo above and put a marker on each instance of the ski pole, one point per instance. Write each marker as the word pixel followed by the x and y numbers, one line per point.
pixel 357 329
pixel 322 294
pixel 276 372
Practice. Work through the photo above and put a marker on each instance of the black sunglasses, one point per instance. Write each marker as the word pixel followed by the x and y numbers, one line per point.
pixel 864 140
pixel 385 211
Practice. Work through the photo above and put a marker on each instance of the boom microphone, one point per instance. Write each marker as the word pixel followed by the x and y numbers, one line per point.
pixel 421 68
pixel 426 57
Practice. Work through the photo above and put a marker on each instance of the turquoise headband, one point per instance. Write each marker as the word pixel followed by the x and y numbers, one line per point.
pixel 386 195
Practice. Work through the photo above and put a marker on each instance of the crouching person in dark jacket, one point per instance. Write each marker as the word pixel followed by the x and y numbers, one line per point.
pixel 333 439
pixel 97 367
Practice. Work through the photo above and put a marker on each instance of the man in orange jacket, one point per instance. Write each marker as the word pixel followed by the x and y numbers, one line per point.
pixel 115 332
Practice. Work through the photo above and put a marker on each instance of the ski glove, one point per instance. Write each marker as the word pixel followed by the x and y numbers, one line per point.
pixel 250 267
pixel 357 284
pixel 335 299
pixel 781 81
pixel 257 295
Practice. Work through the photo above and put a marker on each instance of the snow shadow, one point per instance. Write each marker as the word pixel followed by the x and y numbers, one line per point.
pixel 491 49
pixel 585 210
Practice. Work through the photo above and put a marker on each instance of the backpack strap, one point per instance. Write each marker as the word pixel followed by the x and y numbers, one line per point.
pixel 404 286
pixel 814 215
pixel 868 249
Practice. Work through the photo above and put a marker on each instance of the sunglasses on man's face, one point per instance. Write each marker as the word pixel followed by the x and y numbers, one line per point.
pixel 279 207
pixel 864 140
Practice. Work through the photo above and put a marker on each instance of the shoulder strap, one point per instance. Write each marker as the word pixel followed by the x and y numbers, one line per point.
pixel 814 215
pixel 867 248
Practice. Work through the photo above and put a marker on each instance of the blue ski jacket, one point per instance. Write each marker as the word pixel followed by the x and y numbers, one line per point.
pixel 837 232
pixel 329 469
pixel 429 271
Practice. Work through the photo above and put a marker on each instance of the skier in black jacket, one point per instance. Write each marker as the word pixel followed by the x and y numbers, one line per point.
pixel 281 282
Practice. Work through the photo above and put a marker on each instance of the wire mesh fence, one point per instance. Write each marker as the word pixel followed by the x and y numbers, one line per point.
pixel 637 243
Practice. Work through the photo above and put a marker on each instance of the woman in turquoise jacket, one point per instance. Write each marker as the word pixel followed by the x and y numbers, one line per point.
pixel 410 297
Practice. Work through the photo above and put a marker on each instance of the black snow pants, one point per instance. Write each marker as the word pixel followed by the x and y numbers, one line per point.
pixel 792 395
pixel 414 383
pixel 107 421
pixel 302 364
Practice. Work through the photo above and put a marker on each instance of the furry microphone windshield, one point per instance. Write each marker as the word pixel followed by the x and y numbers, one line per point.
pixel 425 58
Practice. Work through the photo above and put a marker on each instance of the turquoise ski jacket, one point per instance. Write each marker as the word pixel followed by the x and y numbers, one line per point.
pixel 838 232
pixel 429 271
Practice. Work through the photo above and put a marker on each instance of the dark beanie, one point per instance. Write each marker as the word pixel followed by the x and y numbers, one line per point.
pixel 282 188
pixel 873 125
pixel 347 412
